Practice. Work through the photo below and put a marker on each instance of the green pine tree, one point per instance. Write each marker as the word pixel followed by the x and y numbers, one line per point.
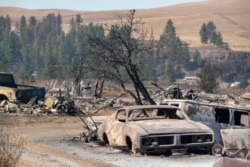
pixel 204 34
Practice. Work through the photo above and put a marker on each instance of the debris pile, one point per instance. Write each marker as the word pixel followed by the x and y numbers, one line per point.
pixel 175 92
pixel 58 102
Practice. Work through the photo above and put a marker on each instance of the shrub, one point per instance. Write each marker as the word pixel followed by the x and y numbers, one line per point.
pixel 11 147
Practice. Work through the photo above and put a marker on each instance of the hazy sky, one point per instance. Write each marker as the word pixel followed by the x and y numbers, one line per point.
pixel 94 5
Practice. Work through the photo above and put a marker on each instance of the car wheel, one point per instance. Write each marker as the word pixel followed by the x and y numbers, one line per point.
pixel 62 109
pixel 130 145
pixel 217 149
pixel 105 139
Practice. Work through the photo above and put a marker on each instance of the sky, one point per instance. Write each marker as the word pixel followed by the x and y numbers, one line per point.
pixel 92 5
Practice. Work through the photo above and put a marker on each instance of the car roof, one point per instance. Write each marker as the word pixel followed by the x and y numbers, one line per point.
pixel 238 107
pixel 149 107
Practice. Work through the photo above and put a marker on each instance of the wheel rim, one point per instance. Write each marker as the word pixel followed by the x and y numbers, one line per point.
pixel 217 149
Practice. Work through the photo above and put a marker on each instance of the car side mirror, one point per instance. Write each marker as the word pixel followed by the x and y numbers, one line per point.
pixel 244 120
pixel 121 118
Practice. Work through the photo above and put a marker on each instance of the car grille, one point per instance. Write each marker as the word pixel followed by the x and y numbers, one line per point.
pixel 166 140
pixel 157 140
pixel 186 139
pixel 176 140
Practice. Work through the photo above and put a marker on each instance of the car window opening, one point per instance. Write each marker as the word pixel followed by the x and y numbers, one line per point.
pixel 150 114
pixel 241 118
pixel 121 115
pixel 222 115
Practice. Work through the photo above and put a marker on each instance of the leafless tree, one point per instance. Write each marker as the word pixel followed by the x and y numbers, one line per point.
pixel 119 52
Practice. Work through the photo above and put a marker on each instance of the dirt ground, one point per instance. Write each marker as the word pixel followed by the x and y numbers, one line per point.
pixel 48 143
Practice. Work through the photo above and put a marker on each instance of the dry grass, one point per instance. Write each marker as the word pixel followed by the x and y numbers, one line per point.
pixel 230 16
pixel 11 147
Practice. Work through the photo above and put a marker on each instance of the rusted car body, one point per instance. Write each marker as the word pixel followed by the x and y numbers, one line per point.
pixel 216 116
pixel 154 129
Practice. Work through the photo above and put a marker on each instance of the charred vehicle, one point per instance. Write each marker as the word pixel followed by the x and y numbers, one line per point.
pixel 13 92
pixel 216 116
pixel 236 148
pixel 154 129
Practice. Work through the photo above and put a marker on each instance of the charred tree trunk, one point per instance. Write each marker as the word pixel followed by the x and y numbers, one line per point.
pixel 98 94
pixel 101 87
pixel 139 86
pixel 96 89
pixel 77 86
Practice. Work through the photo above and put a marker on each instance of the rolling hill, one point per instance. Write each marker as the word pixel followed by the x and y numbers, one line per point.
pixel 231 18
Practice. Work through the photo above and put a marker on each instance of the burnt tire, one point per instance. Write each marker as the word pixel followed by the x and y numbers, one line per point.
pixel 62 109
pixel 131 146
pixel 129 143
pixel 105 139
pixel 217 149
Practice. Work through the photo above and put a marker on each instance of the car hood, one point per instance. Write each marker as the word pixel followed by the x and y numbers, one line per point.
pixel 171 126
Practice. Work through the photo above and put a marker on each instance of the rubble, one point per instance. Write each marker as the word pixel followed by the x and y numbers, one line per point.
pixel 62 101
pixel 246 96
pixel 10 107
pixel 58 102
pixel 175 92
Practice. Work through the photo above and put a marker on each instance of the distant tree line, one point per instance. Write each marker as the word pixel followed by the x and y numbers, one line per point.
pixel 41 49
pixel 208 34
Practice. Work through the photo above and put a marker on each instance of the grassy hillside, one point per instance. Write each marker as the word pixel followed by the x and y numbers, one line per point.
pixel 231 18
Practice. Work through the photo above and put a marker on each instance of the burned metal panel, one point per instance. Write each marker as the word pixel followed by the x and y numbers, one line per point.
pixel 236 142
pixel 199 112
pixel 195 111
pixel 224 115
pixel 50 101
pixel 206 115
pixel 116 129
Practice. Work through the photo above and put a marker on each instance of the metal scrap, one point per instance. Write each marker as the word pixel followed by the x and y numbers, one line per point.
pixel 236 142
pixel 91 124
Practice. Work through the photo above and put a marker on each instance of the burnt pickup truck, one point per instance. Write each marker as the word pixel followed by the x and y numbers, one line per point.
pixel 13 92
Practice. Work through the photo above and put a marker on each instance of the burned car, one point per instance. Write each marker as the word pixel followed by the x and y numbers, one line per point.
pixel 154 129
pixel 214 115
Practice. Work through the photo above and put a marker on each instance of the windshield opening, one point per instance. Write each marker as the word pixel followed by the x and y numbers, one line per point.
pixel 161 113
